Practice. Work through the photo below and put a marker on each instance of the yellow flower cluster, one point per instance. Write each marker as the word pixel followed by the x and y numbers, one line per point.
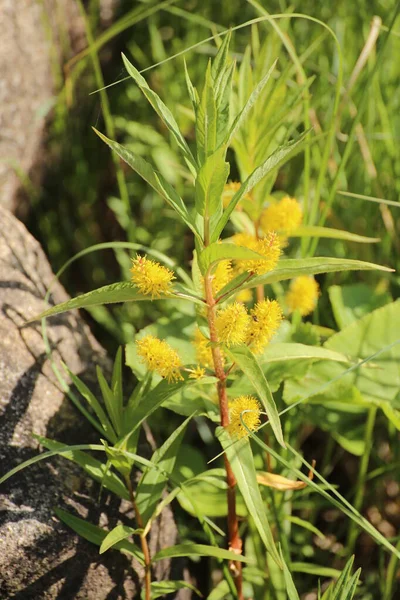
pixel 246 409
pixel 303 295
pixel 197 373
pixel 232 324
pixel 236 326
pixel 285 215
pixel 266 316
pixel 269 247
pixel 151 277
pixel 160 357
pixel 203 351
pixel 222 276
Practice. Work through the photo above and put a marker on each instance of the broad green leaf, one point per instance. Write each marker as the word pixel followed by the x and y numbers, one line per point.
pixel 191 549
pixel 216 252
pixel 242 116
pixel 153 178
pixel 241 459
pixel 351 302
pixel 273 162
pixel 334 234
pixel 161 109
pixel 378 382
pixel 210 182
pixel 95 534
pixel 119 533
pixel 95 404
pixel 160 588
pixel 93 467
pixel 152 483
pixel 248 363
pixel 289 268
pixel 283 351
pixel 206 120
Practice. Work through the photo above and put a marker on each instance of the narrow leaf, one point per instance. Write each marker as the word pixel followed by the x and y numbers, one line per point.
pixel 210 183
pixel 153 178
pixel 241 460
pixel 189 549
pixel 161 109
pixel 119 533
pixel 95 534
pixel 109 401
pixel 160 588
pixel 274 161
pixel 334 234
pixel 248 363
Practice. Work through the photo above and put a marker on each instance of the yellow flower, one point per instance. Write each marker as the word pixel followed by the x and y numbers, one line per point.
pixel 203 351
pixel 244 296
pixel 269 247
pixel 222 275
pixel 158 356
pixel 236 415
pixel 232 323
pixel 197 373
pixel 266 316
pixel 303 295
pixel 285 215
pixel 230 190
pixel 151 277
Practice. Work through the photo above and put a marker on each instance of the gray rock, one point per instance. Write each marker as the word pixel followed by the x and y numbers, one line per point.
pixel 36 38
pixel 40 558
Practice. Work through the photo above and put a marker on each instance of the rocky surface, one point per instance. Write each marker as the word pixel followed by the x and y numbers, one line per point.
pixel 37 37
pixel 40 558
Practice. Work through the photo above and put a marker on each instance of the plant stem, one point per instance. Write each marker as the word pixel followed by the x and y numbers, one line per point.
pixel 143 541
pixel 369 427
pixel 235 543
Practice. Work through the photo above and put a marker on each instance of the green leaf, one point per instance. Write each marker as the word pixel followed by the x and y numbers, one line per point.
pixel 206 120
pixel 118 457
pixel 241 459
pixel 288 268
pixel 96 469
pixel 248 363
pixel 221 58
pixel 109 401
pixel 311 569
pixel 283 351
pixel 305 525
pixel 216 252
pixel 242 116
pixel 194 97
pixel 334 234
pixel 160 588
pixel 95 534
pixel 119 533
pixel 289 584
pixel 190 549
pixel 153 178
pixel 273 162
pixel 351 302
pixel 152 483
pixel 116 384
pixel 210 182
pixel 96 406
pixel 161 109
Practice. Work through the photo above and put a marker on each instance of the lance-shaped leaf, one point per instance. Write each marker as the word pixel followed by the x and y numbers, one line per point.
pixel 161 109
pixel 119 533
pixel 334 234
pixel 190 549
pixel 248 363
pixel 242 116
pixel 124 291
pixel 289 268
pixel 206 120
pixel 241 460
pixel 153 178
pixel 95 534
pixel 210 183
pixel 152 483
pixel 275 161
